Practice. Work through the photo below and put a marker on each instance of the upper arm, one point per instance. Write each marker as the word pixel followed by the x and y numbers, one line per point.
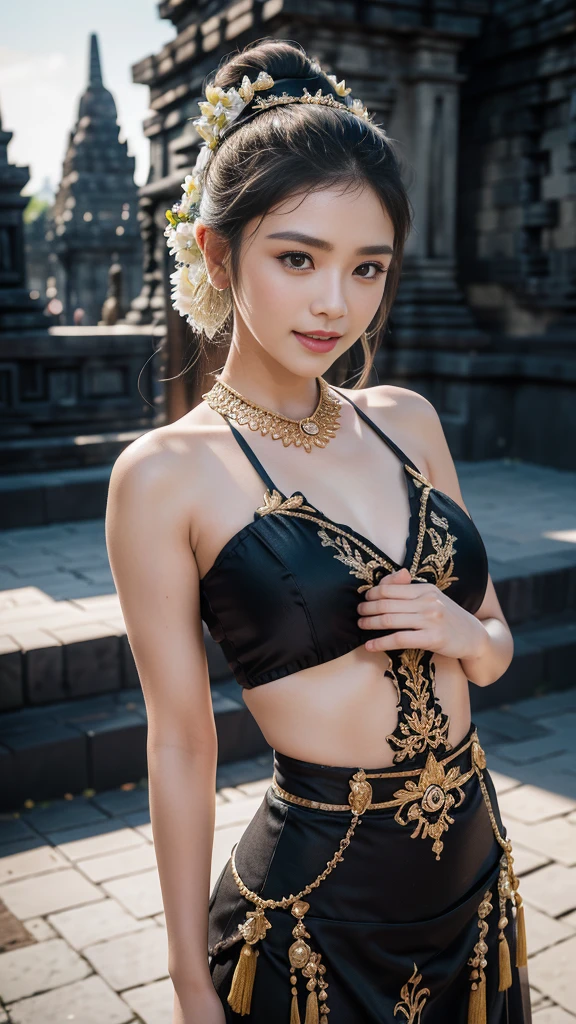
pixel 442 474
pixel 156 576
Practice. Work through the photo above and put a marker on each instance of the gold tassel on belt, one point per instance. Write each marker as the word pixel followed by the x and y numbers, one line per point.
pixel 477 1000
pixel 504 893
pixel 253 929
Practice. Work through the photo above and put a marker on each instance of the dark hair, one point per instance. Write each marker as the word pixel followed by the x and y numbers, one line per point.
pixel 297 149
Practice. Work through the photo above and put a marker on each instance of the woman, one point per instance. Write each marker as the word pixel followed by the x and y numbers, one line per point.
pixel 345 582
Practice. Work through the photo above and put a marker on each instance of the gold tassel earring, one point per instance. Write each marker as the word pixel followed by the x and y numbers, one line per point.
pixel 477 1001
pixel 504 893
pixel 253 930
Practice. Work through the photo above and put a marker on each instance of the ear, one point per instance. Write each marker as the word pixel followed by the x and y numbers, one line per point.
pixel 215 251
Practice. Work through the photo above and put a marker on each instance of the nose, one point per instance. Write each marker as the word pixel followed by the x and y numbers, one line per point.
pixel 330 300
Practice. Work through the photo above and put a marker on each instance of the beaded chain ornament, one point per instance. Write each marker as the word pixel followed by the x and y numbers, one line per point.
pixel 205 307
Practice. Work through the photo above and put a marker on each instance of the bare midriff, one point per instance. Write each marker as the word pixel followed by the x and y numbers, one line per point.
pixel 340 713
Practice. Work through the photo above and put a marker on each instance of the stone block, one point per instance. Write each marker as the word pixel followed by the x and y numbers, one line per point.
pixel 553 1015
pixel 11 682
pixel 31 862
pixel 44 659
pixel 33 897
pixel 237 812
pixel 153 1003
pixel 552 971
pixel 555 839
pixel 122 802
pixel 224 840
pixel 89 1001
pixel 37 968
pixel 117 750
pixel 45 760
pixel 65 814
pixel 509 725
pixel 12 829
pixel 532 804
pixel 95 840
pixel 92 658
pixel 121 862
pixel 543 931
pixel 130 677
pixel 131 960
pixel 39 929
pixel 140 894
pixel 551 889
pixel 98 922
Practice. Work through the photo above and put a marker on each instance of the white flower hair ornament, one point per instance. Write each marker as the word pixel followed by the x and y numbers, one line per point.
pixel 205 307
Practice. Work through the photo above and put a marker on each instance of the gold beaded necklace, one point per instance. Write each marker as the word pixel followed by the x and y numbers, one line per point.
pixel 316 429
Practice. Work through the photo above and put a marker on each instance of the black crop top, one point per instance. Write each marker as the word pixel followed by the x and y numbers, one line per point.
pixel 282 594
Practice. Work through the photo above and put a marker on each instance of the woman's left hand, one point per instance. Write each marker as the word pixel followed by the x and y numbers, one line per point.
pixel 422 617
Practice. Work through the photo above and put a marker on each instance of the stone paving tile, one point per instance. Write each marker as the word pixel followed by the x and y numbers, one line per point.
pixel 92 840
pixel 553 1015
pixel 31 862
pixel 45 894
pixel 44 965
pixel 122 862
pixel 543 931
pixel 552 971
pixel 153 1003
pixel 533 804
pixel 131 960
pixel 555 839
pixel 551 889
pixel 543 748
pixel 256 788
pixel 84 926
pixel 525 860
pixel 140 894
pixel 40 929
pixel 122 801
pixel 508 724
pixel 237 812
pixel 63 814
pixel 89 1001
pixel 224 840
pixel 12 829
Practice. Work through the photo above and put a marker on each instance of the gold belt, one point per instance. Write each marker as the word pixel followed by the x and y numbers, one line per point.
pixel 432 793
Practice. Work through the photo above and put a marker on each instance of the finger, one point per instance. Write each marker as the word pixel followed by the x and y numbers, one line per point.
pixel 401 591
pixel 382 605
pixel 392 620
pixel 412 638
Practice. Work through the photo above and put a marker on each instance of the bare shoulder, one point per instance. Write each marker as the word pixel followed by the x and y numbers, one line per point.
pixel 167 465
pixel 407 417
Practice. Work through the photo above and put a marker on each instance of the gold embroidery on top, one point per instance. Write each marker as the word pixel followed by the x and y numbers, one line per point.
pixel 411 1003
pixel 440 563
pixel 431 796
pixel 425 725
pixel 352 558
pixel 273 503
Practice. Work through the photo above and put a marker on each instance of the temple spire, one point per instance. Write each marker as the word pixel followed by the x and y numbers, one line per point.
pixel 95 71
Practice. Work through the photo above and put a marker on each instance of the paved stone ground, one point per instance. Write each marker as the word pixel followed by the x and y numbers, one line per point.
pixel 523 512
pixel 79 882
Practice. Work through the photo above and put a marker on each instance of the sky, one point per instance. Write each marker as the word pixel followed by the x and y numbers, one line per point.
pixel 44 67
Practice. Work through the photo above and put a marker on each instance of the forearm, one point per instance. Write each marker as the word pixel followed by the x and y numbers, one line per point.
pixel 182 805
pixel 495 651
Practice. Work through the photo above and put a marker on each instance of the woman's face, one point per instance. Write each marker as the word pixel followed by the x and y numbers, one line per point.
pixel 315 265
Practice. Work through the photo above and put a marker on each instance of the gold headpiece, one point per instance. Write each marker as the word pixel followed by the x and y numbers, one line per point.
pixel 193 296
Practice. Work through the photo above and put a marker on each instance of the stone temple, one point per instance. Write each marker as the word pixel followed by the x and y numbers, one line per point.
pixel 94 222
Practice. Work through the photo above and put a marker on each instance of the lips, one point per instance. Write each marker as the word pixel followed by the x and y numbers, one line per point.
pixel 324 342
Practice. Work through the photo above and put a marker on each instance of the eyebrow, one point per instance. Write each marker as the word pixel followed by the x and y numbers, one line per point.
pixel 319 243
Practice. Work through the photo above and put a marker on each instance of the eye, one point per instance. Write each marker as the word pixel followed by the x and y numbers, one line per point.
pixel 365 267
pixel 296 260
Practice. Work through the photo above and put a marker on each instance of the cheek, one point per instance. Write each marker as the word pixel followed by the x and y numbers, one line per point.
pixel 268 289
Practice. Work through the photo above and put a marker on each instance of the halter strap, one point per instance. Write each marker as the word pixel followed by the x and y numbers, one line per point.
pixel 391 444
pixel 253 458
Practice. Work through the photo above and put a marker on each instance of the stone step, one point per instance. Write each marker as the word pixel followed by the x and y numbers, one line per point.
pixel 100 743
pixel 59 496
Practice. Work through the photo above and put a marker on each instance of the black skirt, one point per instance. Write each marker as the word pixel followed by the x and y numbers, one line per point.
pixel 395 924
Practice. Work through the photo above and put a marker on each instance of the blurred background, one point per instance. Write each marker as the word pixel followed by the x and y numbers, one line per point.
pixel 96 102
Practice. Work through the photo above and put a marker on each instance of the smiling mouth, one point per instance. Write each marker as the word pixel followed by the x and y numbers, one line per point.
pixel 322 336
